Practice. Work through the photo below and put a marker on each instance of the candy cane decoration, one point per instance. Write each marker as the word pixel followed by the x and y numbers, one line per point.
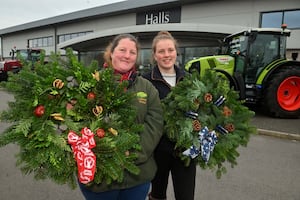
pixel 84 156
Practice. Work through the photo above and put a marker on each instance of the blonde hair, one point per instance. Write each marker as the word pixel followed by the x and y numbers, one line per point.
pixel 162 35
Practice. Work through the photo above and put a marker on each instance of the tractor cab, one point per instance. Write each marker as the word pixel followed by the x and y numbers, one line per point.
pixel 254 61
pixel 254 50
pixel 32 55
pixel 17 57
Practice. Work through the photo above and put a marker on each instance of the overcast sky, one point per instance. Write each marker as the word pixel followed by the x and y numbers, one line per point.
pixel 16 12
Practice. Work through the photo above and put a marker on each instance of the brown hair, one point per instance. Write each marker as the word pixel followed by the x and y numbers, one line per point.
pixel 163 35
pixel 112 45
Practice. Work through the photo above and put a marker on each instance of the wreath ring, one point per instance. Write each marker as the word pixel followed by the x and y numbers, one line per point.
pixel 72 122
pixel 207 121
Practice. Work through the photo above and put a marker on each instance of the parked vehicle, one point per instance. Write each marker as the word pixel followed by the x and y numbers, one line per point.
pixel 15 63
pixel 254 61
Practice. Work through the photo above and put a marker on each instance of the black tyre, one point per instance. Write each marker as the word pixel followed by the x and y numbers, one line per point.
pixel 3 76
pixel 282 93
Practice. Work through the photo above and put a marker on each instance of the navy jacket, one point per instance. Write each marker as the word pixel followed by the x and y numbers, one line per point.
pixel 161 85
pixel 164 89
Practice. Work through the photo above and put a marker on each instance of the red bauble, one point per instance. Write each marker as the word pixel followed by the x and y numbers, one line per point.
pixel 100 132
pixel 39 111
pixel 91 95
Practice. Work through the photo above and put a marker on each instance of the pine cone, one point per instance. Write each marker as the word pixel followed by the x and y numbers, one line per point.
pixel 227 111
pixel 230 127
pixel 208 97
pixel 196 125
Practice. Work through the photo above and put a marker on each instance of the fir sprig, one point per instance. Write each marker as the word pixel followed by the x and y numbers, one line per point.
pixel 61 87
pixel 199 94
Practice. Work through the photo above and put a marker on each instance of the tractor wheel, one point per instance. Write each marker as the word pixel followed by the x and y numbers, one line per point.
pixel 3 76
pixel 282 94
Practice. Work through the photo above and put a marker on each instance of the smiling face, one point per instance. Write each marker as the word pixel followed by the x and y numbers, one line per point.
pixel 124 55
pixel 165 55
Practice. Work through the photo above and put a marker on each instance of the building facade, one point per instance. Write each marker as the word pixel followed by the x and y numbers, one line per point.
pixel 199 26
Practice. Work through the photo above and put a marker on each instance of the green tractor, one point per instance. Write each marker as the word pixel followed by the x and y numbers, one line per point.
pixel 255 63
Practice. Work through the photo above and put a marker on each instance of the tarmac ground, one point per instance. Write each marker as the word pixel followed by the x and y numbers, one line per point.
pixel 268 168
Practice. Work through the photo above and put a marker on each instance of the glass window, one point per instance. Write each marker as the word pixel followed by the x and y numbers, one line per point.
pixel 238 45
pixel 145 61
pixel 67 37
pixel 271 20
pixel 45 42
pixel 61 38
pixel 74 35
pixel 50 41
pixel 35 43
pixel 292 19
pixel 196 52
pixel 40 42
pixel 275 19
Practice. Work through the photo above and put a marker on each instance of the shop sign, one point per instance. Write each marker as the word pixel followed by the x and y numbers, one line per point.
pixel 171 15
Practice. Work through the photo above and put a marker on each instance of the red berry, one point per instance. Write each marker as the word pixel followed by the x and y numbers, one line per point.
pixel 91 95
pixel 39 111
pixel 100 132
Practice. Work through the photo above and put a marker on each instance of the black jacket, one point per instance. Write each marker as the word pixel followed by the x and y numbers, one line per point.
pixel 158 81
pixel 164 89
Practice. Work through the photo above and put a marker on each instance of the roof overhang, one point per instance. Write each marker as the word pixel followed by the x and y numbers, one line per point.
pixel 187 31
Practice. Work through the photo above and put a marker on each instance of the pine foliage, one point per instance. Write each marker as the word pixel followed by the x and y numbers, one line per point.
pixel 61 88
pixel 199 94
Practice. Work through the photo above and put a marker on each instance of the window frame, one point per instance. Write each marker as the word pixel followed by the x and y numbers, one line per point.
pixel 283 19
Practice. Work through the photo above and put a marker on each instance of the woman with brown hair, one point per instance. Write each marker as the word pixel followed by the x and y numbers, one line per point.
pixel 121 55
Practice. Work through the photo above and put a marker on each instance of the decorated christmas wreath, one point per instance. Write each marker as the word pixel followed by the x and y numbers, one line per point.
pixel 207 121
pixel 70 119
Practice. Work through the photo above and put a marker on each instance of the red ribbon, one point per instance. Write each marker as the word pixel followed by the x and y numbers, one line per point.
pixel 84 156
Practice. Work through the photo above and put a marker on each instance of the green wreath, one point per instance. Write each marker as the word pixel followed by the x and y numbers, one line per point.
pixel 63 99
pixel 206 120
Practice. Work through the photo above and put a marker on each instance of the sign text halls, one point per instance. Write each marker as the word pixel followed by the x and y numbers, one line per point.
pixel 172 15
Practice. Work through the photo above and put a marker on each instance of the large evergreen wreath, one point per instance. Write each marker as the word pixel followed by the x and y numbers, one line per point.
pixel 66 116
pixel 207 121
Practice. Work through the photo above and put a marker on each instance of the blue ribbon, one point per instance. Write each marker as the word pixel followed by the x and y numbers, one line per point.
pixel 208 140
pixel 221 129
pixel 191 114
pixel 220 101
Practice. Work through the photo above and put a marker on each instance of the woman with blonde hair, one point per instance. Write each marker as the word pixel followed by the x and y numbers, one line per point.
pixel 165 75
